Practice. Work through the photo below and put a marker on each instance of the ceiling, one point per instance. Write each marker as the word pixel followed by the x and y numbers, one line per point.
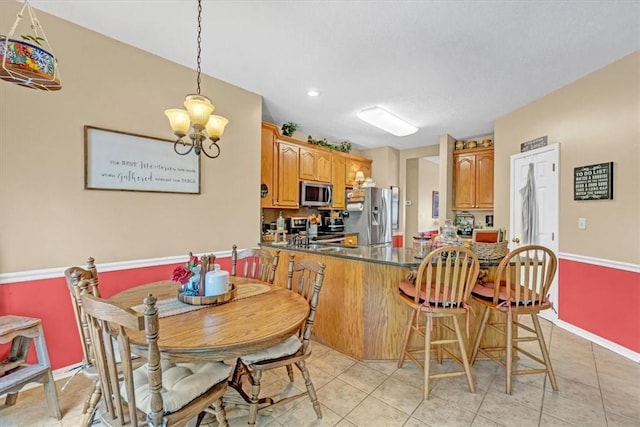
pixel 445 66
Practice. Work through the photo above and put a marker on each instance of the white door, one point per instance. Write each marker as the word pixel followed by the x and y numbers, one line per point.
pixel 546 174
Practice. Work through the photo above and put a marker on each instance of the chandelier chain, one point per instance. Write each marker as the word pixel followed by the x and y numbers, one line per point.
pixel 199 40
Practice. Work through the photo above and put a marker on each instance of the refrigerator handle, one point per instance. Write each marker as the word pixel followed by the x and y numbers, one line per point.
pixel 383 216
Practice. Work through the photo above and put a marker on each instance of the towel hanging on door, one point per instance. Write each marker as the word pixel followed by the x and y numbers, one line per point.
pixel 529 209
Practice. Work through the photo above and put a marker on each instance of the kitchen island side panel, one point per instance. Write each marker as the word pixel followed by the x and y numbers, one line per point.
pixel 339 318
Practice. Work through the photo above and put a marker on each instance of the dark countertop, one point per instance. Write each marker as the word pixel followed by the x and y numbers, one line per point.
pixel 400 257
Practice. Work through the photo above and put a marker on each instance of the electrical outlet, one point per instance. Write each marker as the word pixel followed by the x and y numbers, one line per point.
pixel 582 223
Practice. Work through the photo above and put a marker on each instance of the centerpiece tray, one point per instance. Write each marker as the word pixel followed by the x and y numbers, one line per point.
pixel 211 300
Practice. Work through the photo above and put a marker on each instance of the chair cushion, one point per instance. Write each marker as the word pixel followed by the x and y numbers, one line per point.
pixel 181 383
pixel 286 348
pixel 409 289
pixel 485 291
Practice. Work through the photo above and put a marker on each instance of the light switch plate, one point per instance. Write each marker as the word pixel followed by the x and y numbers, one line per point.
pixel 582 223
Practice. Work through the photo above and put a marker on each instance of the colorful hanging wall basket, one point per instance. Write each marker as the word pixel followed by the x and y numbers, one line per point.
pixel 29 64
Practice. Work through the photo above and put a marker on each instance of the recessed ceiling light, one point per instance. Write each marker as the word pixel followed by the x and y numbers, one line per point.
pixel 313 92
pixel 386 121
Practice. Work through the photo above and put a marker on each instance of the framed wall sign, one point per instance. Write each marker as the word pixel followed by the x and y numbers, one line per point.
pixel 128 162
pixel 533 144
pixel 593 182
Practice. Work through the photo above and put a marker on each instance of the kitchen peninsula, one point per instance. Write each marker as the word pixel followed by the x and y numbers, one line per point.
pixel 359 313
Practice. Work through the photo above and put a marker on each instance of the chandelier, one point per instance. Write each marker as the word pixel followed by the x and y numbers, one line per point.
pixel 197 122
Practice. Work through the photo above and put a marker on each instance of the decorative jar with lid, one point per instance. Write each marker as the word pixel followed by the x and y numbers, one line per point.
pixel 421 245
pixel 448 235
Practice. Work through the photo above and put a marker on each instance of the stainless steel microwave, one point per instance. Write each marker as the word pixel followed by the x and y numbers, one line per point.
pixel 315 194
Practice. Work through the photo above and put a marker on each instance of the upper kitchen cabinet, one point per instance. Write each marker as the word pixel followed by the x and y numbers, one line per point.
pixel 287 161
pixel 473 179
pixel 338 173
pixel 268 162
pixel 279 171
pixel 315 165
pixel 354 165
pixel 288 189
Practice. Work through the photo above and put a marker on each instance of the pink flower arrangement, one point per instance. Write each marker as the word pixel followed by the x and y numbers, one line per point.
pixel 183 273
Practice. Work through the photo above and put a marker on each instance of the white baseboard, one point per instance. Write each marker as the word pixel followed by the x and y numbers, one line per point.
pixel 616 348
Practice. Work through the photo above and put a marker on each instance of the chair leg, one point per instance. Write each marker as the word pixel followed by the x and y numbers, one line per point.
pixel 463 354
pixel 427 355
pixel 90 405
pixel 405 340
pixel 290 372
pixel 479 334
pixel 310 389
pixel 438 327
pixel 545 352
pixel 509 350
pixel 221 416
pixel 255 395
pixel 200 418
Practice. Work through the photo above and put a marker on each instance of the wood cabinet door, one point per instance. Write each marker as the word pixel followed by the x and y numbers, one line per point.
pixel 484 180
pixel 338 173
pixel 268 174
pixel 464 176
pixel 366 168
pixel 351 240
pixel 288 187
pixel 307 164
pixel 323 166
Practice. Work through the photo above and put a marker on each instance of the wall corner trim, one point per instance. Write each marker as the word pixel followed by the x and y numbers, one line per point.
pixel 52 273
pixel 619 265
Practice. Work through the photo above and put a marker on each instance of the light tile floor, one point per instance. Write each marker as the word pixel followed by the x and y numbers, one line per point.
pixel 597 388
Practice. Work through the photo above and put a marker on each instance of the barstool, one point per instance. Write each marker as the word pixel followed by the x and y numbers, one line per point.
pixel 15 373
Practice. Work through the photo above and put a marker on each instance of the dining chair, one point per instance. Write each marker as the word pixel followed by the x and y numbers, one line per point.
pixel 158 393
pixel 89 277
pixel 304 277
pixel 441 291
pixel 255 263
pixel 523 280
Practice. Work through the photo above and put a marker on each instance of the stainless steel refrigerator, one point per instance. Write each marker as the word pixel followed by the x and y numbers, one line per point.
pixel 371 219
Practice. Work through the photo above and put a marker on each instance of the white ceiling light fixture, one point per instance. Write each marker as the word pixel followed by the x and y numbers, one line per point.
pixel 313 92
pixel 381 118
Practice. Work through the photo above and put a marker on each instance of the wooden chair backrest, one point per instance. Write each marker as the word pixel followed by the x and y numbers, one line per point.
pixel 109 322
pixel 74 276
pixel 527 273
pixel 446 276
pixel 305 278
pixel 259 264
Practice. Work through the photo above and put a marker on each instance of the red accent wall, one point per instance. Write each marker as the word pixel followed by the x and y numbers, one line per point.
pixel 49 300
pixel 602 300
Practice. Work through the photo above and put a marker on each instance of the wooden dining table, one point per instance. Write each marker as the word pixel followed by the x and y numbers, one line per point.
pixel 219 332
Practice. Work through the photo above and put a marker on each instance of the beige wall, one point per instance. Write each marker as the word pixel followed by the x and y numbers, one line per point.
pixel 385 165
pixel 429 179
pixel 48 219
pixel 596 119
pixel 408 183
